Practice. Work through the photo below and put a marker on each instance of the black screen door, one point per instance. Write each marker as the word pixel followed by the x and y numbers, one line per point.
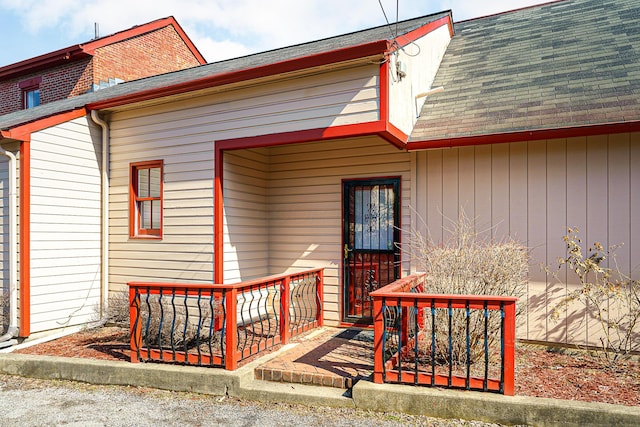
pixel 371 256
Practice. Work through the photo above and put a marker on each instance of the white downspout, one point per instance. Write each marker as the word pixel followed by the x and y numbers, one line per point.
pixel 12 331
pixel 104 259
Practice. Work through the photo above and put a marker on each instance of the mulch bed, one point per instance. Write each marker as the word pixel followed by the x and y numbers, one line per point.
pixel 540 372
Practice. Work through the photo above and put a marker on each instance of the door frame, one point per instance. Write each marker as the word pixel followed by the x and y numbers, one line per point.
pixel 396 181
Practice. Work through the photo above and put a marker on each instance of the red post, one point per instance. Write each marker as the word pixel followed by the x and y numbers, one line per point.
pixel 378 330
pixel 231 338
pixel 134 326
pixel 405 327
pixel 509 347
pixel 320 297
pixel 285 286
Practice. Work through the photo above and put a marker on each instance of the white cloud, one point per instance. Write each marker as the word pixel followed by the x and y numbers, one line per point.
pixel 223 28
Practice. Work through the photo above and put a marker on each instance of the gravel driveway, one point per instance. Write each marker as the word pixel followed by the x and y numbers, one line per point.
pixel 27 402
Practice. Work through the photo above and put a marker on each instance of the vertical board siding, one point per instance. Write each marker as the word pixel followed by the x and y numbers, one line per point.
pixel 532 191
pixel 65 225
pixel 305 204
pixel 182 133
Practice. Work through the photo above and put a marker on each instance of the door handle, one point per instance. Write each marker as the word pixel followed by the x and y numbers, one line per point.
pixel 346 251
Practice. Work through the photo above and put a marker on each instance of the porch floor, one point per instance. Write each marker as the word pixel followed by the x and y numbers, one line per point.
pixel 331 357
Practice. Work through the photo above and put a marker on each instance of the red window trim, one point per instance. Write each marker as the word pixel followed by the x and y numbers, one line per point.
pixel 135 232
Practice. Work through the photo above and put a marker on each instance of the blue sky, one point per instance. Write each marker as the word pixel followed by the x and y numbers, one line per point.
pixel 221 29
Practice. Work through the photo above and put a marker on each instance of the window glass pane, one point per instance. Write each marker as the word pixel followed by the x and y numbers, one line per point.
pixel 145 215
pixel 155 214
pixel 32 98
pixel 143 182
pixel 155 182
pixel 374 218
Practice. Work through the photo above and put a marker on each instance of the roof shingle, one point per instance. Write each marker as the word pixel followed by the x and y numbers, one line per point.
pixel 557 65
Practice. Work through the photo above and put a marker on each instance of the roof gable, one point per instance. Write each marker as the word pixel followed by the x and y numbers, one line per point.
pixel 75 52
pixel 560 65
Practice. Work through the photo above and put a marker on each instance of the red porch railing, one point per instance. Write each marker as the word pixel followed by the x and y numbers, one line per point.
pixel 221 325
pixel 454 341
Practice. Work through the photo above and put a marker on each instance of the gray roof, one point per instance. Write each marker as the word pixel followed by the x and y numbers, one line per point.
pixel 383 32
pixel 558 65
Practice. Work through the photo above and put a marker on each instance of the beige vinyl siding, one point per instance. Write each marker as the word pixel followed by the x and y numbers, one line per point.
pixel 246 245
pixel 305 204
pixel 532 191
pixel 182 133
pixel 185 252
pixel 65 225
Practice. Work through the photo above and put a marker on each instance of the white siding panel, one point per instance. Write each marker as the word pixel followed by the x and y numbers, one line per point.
pixel 421 59
pixel 65 225
pixel 590 183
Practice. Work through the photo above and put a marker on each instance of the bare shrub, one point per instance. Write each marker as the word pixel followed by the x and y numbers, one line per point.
pixel 118 309
pixel 467 264
pixel 608 294
pixel 4 312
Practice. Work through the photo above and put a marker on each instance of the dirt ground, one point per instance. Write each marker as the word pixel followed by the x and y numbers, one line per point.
pixel 540 372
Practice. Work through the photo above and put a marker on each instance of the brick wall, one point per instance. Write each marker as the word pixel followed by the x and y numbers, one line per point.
pixel 157 52
pixel 64 81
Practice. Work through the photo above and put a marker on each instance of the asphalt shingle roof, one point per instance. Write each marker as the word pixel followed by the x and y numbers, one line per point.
pixel 247 62
pixel 558 65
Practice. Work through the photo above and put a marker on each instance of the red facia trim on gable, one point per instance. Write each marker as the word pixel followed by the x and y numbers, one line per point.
pixel 414 35
pixel 138 30
pixel 76 52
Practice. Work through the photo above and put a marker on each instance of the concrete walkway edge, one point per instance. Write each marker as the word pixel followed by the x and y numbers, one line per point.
pixel 365 395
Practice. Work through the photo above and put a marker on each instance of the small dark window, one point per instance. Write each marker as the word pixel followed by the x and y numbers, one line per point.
pixel 30 92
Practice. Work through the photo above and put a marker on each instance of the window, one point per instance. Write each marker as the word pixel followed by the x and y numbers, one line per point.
pixel 31 98
pixel 30 92
pixel 145 200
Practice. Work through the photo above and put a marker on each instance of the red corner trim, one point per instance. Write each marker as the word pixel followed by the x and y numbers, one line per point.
pixel 218 218
pixel 23 132
pixel 324 58
pixel 384 91
pixel 25 238
pixel 567 132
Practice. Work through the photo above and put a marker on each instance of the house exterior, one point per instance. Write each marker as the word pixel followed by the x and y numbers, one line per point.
pixel 145 50
pixel 327 154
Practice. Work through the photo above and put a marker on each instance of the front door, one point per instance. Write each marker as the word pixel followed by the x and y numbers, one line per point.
pixel 371 239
